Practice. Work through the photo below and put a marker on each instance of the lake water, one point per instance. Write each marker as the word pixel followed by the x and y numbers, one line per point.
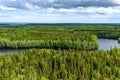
pixel 11 51
pixel 107 44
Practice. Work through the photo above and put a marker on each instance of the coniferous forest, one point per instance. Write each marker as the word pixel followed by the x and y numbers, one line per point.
pixel 59 52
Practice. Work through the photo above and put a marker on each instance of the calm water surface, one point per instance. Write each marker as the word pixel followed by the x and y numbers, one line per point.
pixel 107 44
pixel 11 51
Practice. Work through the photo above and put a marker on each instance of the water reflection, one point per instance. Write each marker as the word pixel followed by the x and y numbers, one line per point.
pixel 11 51
pixel 107 44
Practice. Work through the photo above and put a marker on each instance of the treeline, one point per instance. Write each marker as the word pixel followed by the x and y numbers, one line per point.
pixel 111 31
pixel 44 35
pixel 61 64
pixel 49 40
pixel 107 34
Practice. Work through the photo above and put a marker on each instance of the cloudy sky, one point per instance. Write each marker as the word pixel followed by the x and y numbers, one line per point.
pixel 60 11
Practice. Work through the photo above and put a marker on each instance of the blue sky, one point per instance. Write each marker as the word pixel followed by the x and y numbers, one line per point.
pixel 60 11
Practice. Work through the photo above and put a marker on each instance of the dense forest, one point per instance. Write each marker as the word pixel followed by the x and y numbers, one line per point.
pixel 59 52
pixel 48 40
pixel 61 65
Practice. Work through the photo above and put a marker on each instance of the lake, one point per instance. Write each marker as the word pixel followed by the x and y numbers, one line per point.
pixel 107 44
pixel 11 51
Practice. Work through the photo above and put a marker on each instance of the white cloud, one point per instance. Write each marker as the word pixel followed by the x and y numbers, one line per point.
pixel 65 6
pixel 12 0
pixel 116 1
pixel 29 6
pixel 7 8
pixel 87 10
pixel 51 1
pixel 59 3
pixel 4 15
pixel 56 6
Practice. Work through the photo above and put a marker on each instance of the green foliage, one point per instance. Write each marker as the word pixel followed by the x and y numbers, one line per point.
pixel 49 64
pixel 42 39
pixel 119 40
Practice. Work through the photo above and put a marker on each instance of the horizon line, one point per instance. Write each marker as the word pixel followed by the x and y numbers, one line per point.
pixel 50 23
